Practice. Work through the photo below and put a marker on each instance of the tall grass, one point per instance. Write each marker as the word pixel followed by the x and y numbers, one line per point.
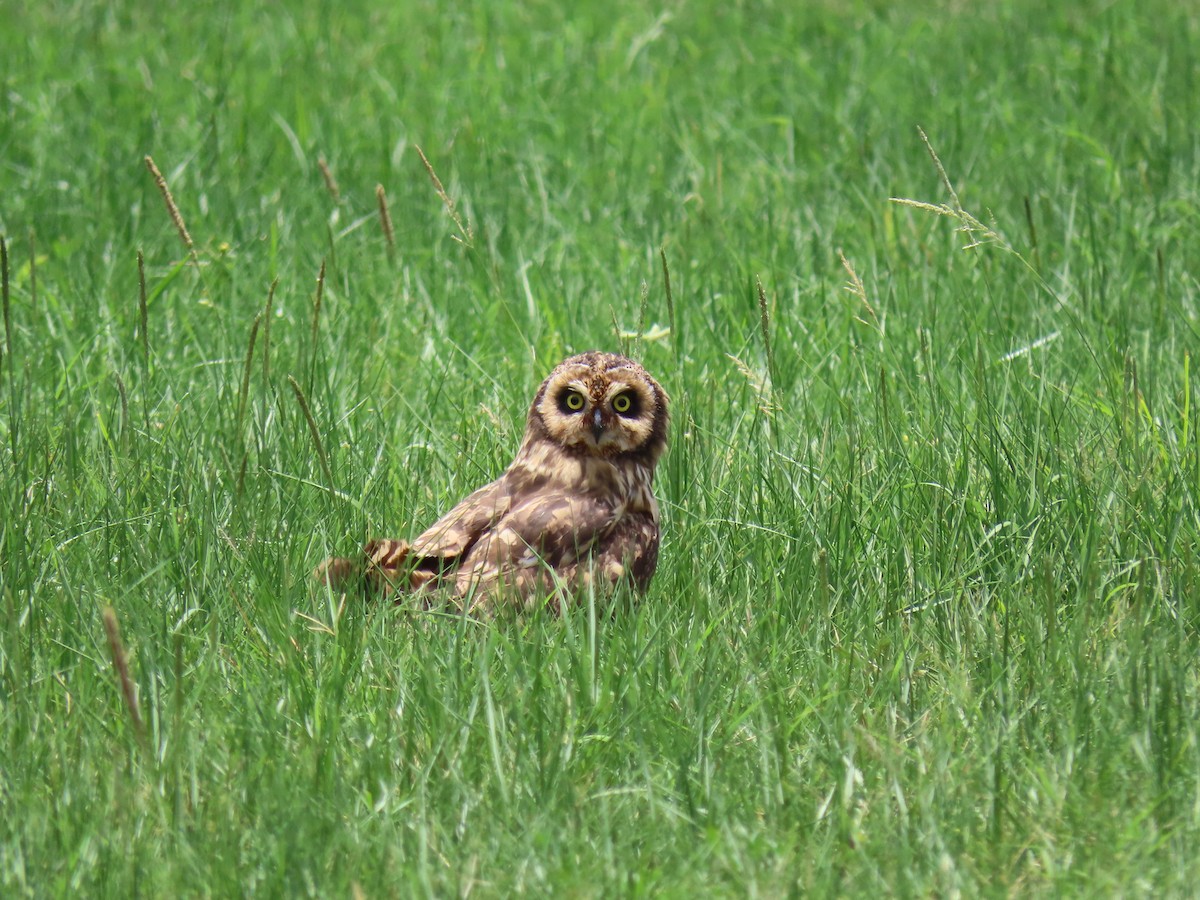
pixel 925 620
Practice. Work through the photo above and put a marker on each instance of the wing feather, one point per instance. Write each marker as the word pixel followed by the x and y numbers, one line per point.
pixel 552 529
pixel 455 533
pixel 630 550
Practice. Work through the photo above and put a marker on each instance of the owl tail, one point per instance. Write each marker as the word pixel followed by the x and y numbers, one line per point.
pixel 380 572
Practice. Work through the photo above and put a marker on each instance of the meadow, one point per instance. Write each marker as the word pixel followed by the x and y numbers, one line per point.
pixel 920 279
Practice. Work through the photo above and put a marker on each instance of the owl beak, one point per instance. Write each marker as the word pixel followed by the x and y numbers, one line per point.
pixel 597 425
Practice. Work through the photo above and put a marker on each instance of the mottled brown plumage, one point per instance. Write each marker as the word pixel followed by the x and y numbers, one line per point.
pixel 574 508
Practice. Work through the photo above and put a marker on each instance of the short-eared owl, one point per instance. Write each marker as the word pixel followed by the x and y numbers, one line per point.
pixel 575 507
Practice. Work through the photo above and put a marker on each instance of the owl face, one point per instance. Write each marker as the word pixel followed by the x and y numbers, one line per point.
pixel 601 404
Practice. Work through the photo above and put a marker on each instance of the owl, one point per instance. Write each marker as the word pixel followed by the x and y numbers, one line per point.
pixel 574 509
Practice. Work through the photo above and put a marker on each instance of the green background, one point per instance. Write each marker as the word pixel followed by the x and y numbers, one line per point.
pixel 925 621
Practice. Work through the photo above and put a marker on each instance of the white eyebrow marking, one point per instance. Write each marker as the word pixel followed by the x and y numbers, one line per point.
pixel 636 387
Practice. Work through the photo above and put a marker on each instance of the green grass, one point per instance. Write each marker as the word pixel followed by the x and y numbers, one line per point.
pixel 926 621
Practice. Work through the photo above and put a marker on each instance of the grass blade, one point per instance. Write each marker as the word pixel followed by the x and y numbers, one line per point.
pixel 312 430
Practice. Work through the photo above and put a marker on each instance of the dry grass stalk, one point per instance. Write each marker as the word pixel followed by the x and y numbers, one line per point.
pixel 120 662
pixel 976 231
pixel 940 170
pixel 619 333
pixel 245 391
pixel 4 293
pixel 124 411
pixel 266 317
pixel 241 476
pixel 1033 240
pixel 465 235
pixel 143 312
pixel 172 209
pixel 331 184
pixel 857 288
pixel 312 429
pixel 385 218
pixel 316 319
pixel 764 316
pixel 641 330
pixel 759 384
pixel 823 586
pixel 662 253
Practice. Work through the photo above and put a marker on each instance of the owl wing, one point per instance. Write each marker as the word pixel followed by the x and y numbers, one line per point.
pixel 455 533
pixel 567 533
pixel 630 550
pixel 389 565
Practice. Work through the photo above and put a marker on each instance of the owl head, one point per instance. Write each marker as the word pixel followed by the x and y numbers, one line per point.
pixel 601 404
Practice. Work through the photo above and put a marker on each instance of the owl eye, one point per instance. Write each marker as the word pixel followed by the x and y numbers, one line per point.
pixel 573 400
pixel 622 403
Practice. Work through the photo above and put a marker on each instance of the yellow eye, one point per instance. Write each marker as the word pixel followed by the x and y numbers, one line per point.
pixel 574 401
pixel 622 403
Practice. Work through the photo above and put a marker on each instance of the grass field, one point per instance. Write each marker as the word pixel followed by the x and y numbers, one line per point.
pixel 927 617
